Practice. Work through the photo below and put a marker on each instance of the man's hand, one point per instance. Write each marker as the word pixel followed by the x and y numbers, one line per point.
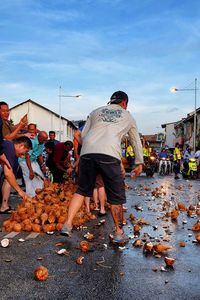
pixel 5 161
pixel 30 135
pixel 44 169
pixel 137 171
pixel 23 195
pixel 69 171
pixel 31 174
pixel 22 124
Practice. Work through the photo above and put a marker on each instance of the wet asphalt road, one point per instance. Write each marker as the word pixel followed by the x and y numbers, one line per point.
pixel 123 274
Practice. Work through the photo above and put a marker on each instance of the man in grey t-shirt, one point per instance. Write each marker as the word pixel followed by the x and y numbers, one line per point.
pixel 101 154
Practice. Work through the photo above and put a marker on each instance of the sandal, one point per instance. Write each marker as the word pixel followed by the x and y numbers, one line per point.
pixel 66 230
pixel 9 210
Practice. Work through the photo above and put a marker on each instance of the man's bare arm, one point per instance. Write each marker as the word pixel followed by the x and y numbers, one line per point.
pixel 13 135
pixel 9 175
pixel 77 136
pixel 28 162
pixel 41 160
pixel 137 171
pixel 4 160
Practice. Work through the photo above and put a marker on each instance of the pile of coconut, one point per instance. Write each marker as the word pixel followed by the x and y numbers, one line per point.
pixel 46 211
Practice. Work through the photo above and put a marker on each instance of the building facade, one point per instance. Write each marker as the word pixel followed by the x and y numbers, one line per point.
pixel 153 142
pixel 183 131
pixel 169 134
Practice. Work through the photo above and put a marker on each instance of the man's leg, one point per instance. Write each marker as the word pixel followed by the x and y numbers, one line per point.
pixel 110 169
pixel 176 170
pixel 86 183
pixel 117 214
pixel 87 204
pixel 95 199
pixel 5 195
pixel 102 198
pixel 74 206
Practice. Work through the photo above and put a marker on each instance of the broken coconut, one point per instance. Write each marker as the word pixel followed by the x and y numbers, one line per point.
pixel 160 247
pixel 148 247
pixel 198 237
pixel 80 260
pixel 174 214
pixel 84 246
pixel 5 243
pixel 138 243
pixel 136 228
pixel 169 261
pixel 181 206
pixel 41 273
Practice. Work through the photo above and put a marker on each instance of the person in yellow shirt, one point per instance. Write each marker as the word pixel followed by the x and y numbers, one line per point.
pixel 130 156
pixel 146 151
pixel 177 160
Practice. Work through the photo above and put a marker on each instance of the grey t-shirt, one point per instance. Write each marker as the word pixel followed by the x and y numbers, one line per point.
pixel 104 130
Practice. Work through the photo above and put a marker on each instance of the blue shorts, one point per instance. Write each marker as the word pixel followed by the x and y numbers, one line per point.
pixel 109 168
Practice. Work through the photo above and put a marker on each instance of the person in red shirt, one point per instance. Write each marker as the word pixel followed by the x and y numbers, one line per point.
pixel 62 160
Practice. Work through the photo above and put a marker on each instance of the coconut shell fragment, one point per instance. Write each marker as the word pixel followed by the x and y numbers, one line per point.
pixel 138 243
pixel 181 206
pixel 142 222
pixel 182 244
pixel 198 237
pixel 191 207
pixel 196 226
pixel 174 214
pixel 80 260
pixel 189 212
pixel 169 261
pixel 198 212
pixel 84 246
pixel 132 217
pixel 161 247
pixel 148 247
pixel 136 228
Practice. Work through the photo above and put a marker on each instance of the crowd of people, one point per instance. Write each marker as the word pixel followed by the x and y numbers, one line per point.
pixel 177 157
pixel 27 152
pixel 33 155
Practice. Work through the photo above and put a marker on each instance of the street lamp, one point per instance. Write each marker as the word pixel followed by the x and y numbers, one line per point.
pixel 195 107
pixel 60 96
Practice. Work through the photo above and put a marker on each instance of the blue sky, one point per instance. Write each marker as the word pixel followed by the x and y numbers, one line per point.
pixel 95 47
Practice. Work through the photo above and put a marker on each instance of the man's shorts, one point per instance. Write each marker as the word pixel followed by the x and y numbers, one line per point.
pixel 109 168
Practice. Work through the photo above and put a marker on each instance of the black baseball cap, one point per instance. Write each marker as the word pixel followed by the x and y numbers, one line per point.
pixel 118 97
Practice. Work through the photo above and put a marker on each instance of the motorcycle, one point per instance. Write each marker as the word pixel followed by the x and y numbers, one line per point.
pixel 163 166
pixel 149 165
pixel 190 168
pixel 169 166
